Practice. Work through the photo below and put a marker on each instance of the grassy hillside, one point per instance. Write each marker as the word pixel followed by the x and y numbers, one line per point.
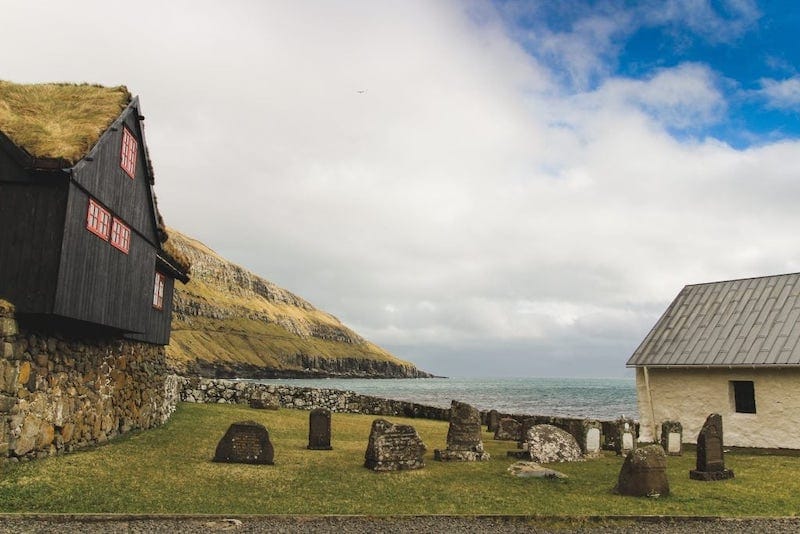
pixel 229 322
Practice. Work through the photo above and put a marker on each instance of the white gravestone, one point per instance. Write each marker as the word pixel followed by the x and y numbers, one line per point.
pixel 674 443
pixel 593 440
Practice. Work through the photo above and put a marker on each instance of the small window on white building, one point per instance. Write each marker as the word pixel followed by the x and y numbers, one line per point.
pixel 744 396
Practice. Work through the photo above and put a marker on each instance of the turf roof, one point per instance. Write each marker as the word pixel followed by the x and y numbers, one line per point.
pixel 58 120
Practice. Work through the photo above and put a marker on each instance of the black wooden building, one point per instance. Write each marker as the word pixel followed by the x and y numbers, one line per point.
pixel 81 239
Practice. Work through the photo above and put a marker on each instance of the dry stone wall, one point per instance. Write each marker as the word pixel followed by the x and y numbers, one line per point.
pixel 59 393
pixel 214 390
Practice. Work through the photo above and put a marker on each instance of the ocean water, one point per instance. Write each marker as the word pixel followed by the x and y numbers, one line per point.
pixel 597 398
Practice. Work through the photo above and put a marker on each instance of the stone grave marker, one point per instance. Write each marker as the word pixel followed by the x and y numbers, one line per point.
pixel 393 447
pixel 548 444
pixel 492 420
pixel 245 442
pixel 319 429
pixel 508 429
pixel 672 437
pixel 527 424
pixel 626 432
pixel 644 473
pixel 464 443
pixel 710 456
pixel 592 438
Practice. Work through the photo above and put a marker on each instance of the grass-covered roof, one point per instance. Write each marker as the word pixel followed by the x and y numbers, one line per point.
pixel 58 120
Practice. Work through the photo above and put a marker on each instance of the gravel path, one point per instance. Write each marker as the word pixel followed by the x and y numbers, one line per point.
pixel 363 525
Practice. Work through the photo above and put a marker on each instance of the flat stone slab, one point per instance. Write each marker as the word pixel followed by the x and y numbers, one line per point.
pixel 533 470
pixel 245 442
pixel 459 456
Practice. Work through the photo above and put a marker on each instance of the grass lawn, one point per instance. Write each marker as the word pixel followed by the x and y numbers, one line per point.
pixel 169 470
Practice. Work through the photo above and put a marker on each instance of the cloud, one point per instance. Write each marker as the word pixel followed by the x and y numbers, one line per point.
pixel 468 210
pixel 781 94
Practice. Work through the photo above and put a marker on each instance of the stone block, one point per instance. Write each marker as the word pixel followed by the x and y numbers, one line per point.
pixel 8 327
pixel 464 441
pixel 393 447
pixel 644 473
pixel 319 429
pixel 548 444
pixel 245 442
pixel 508 429
pixel 7 350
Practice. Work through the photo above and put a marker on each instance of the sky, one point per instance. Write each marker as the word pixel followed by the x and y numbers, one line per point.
pixel 498 188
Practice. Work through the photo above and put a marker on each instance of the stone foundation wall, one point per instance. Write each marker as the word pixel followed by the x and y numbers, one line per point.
pixel 59 393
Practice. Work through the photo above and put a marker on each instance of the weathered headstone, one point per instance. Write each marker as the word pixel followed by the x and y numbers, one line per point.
pixel 508 429
pixel 319 429
pixel 245 442
pixel 464 441
pixel 527 424
pixel 672 438
pixel 626 436
pixel 547 444
pixel 393 447
pixel 644 473
pixel 710 456
pixel 261 400
pixel 592 438
pixel 492 420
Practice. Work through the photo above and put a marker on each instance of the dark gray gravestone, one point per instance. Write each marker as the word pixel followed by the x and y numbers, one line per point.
pixel 710 456
pixel 644 473
pixel 492 420
pixel 393 447
pixel 508 429
pixel 672 438
pixel 464 441
pixel 245 442
pixel 319 429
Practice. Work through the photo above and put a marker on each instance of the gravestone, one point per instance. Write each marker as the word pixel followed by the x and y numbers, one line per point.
pixel 592 438
pixel 626 436
pixel 245 442
pixel 464 443
pixel 548 444
pixel 672 437
pixel 393 447
pixel 710 456
pixel 527 424
pixel 492 420
pixel 319 429
pixel 508 429
pixel 261 400
pixel 644 473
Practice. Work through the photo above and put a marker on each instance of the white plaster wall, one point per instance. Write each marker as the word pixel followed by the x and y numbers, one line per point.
pixel 690 395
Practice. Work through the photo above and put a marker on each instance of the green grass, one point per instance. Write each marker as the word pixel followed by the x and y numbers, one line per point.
pixel 169 470
pixel 58 120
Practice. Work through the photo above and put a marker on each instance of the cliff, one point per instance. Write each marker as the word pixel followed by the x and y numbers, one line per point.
pixel 228 322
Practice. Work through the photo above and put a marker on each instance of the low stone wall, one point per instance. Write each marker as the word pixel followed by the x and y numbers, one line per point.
pixel 59 393
pixel 214 390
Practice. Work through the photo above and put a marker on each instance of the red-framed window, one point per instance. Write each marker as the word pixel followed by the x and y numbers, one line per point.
pixel 158 292
pixel 120 235
pixel 98 220
pixel 127 158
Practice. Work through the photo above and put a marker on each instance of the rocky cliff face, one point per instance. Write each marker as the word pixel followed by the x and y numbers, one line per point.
pixel 228 322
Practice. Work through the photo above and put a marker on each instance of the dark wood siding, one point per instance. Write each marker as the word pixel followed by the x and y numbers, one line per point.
pixel 98 283
pixel 158 321
pixel 31 227
pixel 129 199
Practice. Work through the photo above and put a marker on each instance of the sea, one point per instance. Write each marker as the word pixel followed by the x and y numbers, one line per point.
pixel 595 398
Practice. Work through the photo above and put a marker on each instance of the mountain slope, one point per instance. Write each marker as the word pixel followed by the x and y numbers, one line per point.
pixel 229 322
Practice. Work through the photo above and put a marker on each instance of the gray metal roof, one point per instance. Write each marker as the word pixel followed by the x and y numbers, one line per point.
pixel 748 322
